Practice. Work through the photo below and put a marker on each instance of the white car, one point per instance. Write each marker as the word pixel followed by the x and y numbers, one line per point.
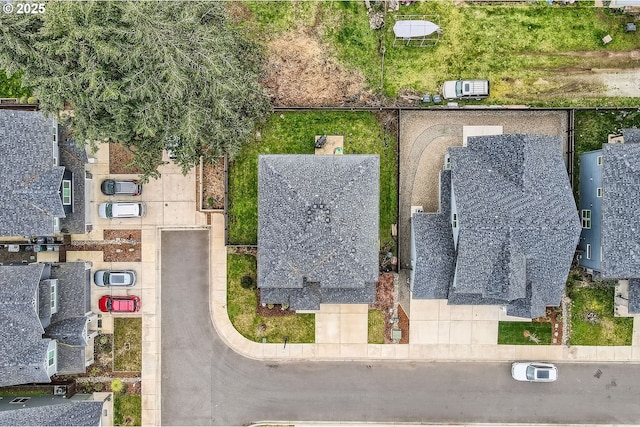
pixel 537 372
pixel 114 278
pixel 121 210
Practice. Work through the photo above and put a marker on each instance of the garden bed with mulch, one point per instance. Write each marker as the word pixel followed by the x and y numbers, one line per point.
pixel 213 178
pixel 554 316
pixel 384 302
pixel 272 310
pixel 403 324
pixel 119 159
pixel 117 246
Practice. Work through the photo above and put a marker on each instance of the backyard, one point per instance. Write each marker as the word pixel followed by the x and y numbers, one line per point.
pixel 242 303
pixel 293 133
pixel 533 54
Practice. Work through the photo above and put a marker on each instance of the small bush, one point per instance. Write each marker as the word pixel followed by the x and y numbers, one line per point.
pixel 31 100
pixel 98 387
pixel 117 386
pixel 247 282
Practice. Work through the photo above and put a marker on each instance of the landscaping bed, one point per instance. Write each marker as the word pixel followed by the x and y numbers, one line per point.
pixel 384 303
pixel 213 178
pixel 119 160
pixel 117 246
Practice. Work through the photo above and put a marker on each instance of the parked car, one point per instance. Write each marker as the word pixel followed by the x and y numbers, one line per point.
pixel 124 304
pixel 122 209
pixel 129 187
pixel 114 278
pixel 537 372
pixel 465 89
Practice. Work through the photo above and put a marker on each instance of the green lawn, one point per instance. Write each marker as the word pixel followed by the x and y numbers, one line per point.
pixel 241 306
pixel 376 325
pixel 127 411
pixel 525 50
pixel 127 349
pixel 607 330
pixel 293 132
pixel 592 128
pixel 513 333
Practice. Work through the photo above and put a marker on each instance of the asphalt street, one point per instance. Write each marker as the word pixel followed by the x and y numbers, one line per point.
pixel 206 383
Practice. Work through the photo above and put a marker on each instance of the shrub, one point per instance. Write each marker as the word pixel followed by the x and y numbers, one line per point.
pixel 98 387
pixel 247 282
pixel 117 386
pixel 31 100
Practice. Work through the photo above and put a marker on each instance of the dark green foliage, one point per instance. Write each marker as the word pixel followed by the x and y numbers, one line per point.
pixel 247 282
pixel 146 74
pixel 11 87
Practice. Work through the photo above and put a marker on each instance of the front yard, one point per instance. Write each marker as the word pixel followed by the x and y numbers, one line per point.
pixel 127 348
pixel 293 133
pixel 242 303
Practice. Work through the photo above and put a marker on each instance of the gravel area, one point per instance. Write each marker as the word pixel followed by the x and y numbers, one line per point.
pixel 425 137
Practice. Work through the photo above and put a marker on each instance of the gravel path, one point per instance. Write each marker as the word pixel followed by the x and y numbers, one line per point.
pixel 425 137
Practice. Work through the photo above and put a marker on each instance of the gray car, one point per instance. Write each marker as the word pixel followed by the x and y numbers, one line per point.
pixel 114 278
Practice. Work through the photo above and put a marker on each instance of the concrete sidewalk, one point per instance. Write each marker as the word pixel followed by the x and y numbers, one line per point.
pixel 438 331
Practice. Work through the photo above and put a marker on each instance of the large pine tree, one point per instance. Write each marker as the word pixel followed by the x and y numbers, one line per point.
pixel 147 74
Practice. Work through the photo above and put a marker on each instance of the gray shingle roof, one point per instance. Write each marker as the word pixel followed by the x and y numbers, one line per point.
pixel 29 182
pixel 22 348
pixel 631 136
pixel 435 254
pixel 634 296
pixel 318 228
pixel 518 222
pixel 74 159
pixel 621 210
pixel 22 345
pixel 81 413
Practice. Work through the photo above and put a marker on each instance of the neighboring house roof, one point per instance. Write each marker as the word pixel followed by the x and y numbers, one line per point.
pixel 23 319
pixel 434 251
pixel 22 348
pixel 29 182
pixel 634 296
pixel 621 207
pixel 80 413
pixel 518 222
pixel 318 228
pixel 74 159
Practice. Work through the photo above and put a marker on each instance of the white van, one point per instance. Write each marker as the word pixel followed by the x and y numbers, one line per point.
pixel 465 89
pixel 122 210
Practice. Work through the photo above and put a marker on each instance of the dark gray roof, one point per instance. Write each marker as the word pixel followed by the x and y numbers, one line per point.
pixel 318 222
pixel 631 136
pixel 634 296
pixel 22 348
pixel 518 222
pixel 80 413
pixel 29 182
pixel 74 159
pixel 435 254
pixel 621 210
pixel 22 345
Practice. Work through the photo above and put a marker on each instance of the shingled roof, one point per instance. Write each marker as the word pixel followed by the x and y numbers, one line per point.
pixel 434 252
pixel 29 182
pixel 318 229
pixel 518 223
pixel 621 207
pixel 78 413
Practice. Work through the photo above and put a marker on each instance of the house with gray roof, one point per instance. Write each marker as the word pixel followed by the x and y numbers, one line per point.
pixel 46 323
pixel 610 212
pixel 318 228
pixel 511 227
pixel 50 411
pixel 42 178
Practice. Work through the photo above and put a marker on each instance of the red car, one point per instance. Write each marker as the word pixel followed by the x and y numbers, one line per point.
pixel 125 304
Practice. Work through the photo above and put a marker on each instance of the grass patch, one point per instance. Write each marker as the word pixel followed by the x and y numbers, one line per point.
pixel 11 86
pixel 607 330
pixel 127 410
pixel 22 392
pixel 375 332
pixel 127 348
pixel 241 307
pixel 293 133
pixel 591 130
pixel 513 333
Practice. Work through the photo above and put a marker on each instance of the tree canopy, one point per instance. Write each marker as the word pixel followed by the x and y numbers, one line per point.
pixel 149 75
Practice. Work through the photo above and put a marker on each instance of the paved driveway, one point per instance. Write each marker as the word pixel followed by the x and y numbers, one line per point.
pixel 206 383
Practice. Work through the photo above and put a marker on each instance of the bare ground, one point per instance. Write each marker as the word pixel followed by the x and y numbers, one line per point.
pixel 301 72
pixel 213 185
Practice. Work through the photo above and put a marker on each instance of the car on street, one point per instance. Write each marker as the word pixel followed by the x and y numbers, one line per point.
pixel 114 278
pixel 122 304
pixel 122 210
pixel 128 187
pixel 536 372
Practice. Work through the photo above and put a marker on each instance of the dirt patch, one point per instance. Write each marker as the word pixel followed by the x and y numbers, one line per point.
pixel 301 72
pixel 119 159
pixel 213 185
pixel 384 302
pixel 403 324
pixel 116 246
